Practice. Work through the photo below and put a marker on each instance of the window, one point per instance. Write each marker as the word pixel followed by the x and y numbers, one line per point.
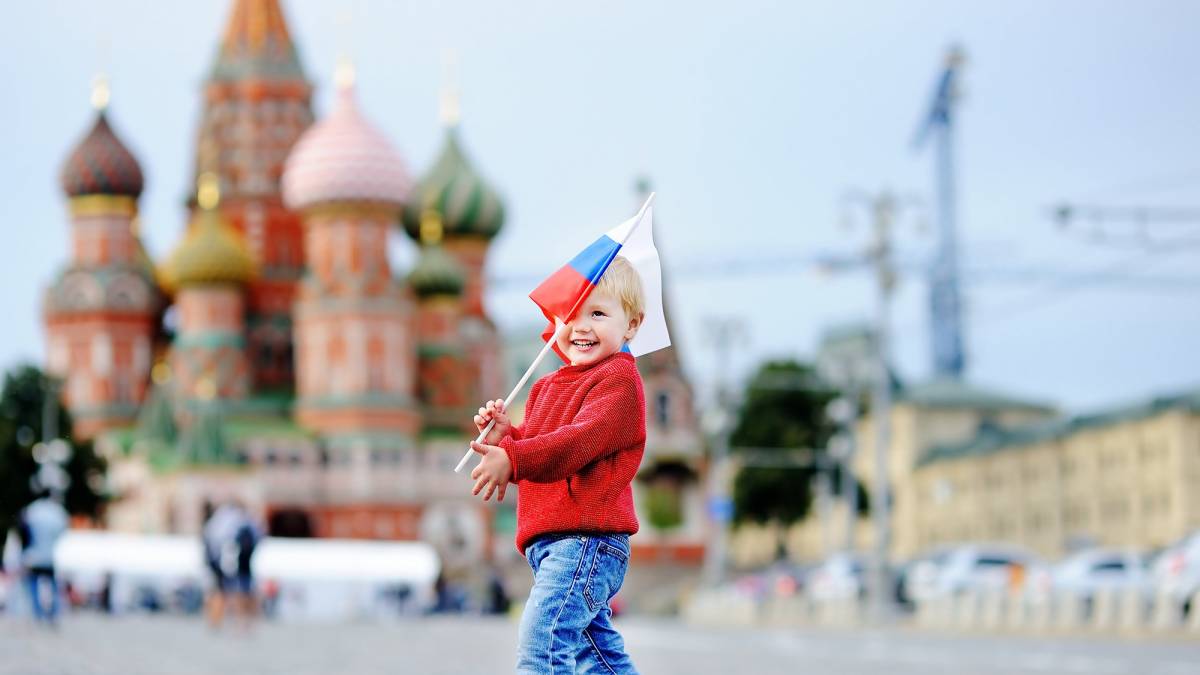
pixel 662 409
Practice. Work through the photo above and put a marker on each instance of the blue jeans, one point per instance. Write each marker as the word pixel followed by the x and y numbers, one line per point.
pixel 567 624
pixel 32 577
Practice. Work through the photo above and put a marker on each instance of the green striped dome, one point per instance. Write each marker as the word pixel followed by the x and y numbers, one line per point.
pixel 436 273
pixel 467 205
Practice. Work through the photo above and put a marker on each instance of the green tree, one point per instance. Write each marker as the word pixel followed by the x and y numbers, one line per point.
pixel 22 415
pixel 783 409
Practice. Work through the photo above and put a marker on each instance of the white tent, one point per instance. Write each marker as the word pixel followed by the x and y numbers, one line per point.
pixel 317 578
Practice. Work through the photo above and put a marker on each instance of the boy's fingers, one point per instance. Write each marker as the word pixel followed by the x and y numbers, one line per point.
pixel 491 488
pixel 476 471
pixel 503 489
pixel 479 485
pixel 479 447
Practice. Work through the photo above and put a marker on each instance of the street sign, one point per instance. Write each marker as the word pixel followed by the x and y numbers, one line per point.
pixel 720 509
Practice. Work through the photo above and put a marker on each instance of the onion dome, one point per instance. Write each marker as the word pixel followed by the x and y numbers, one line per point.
pixel 344 158
pixel 101 164
pixel 212 252
pixel 468 206
pixel 437 273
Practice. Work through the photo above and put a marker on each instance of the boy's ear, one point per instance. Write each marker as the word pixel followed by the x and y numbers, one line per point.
pixel 634 324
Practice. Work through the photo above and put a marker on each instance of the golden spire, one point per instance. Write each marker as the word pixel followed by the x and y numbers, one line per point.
pixel 431 226
pixel 100 92
pixel 208 190
pixel 450 108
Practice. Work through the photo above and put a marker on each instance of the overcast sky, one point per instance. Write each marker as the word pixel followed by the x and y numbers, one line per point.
pixel 752 119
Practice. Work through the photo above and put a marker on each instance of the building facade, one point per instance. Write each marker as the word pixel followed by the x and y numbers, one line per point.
pixel 1122 478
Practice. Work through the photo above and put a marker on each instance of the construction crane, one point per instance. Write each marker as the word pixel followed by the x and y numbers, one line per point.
pixel 945 299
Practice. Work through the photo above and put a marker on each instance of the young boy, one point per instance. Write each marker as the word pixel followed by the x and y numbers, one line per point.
pixel 573 460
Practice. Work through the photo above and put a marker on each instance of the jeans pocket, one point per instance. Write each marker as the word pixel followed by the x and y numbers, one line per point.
pixel 605 576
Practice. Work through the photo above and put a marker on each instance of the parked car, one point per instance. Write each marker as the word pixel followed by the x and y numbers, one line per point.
pixel 1177 569
pixel 919 573
pixel 972 567
pixel 778 580
pixel 1092 571
pixel 841 575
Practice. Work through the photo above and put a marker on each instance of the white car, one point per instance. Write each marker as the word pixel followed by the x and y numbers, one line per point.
pixel 1177 569
pixel 840 576
pixel 1092 571
pixel 918 579
pixel 972 567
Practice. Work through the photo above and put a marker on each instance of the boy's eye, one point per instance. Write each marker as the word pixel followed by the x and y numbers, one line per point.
pixel 597 313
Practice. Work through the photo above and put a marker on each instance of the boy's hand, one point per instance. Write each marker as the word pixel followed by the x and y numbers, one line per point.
pixel 493 472
pixel 493 410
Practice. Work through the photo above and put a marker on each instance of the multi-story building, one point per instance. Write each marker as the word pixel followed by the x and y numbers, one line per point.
pixel 1123 478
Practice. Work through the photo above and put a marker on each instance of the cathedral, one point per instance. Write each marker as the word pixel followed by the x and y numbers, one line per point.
pixel 277 357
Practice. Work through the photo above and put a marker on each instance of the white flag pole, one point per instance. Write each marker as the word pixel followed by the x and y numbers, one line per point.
pixel 513 394
pixel 542 354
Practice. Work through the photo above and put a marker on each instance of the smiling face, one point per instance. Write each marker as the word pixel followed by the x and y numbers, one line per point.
pixel 598 331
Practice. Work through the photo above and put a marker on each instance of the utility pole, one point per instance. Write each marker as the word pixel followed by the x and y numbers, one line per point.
pixel 724 334
pixel 883 208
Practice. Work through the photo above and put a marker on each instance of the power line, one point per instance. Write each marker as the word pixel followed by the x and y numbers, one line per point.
pixel 754 265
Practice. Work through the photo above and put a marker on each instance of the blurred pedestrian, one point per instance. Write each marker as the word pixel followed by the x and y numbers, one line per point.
pixel 498 601
pixel 42 522
pixel 220 555
pixel 246 541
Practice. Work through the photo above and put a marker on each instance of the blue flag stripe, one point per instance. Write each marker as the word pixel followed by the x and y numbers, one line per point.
pixel 594 260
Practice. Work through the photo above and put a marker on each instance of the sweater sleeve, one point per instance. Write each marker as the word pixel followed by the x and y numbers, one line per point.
pixel 605 423
pixel 517 431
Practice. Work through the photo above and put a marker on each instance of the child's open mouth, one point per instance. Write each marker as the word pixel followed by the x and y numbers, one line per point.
pixel 583 345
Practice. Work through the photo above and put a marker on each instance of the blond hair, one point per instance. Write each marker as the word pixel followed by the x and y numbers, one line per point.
pixel 622 282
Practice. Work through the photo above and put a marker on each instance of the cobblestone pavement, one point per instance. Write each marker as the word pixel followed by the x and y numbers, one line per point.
pixel 94 645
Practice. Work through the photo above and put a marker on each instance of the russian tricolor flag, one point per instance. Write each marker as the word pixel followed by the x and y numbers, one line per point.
pixel 563 292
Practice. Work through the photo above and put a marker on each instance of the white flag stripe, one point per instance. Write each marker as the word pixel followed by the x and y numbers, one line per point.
pixel 638 249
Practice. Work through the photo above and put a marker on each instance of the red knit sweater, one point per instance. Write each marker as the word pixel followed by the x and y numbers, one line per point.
pixel 575 455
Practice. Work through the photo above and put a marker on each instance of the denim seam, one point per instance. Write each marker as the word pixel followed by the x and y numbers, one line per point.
pixel 587 586
pixel 599 655
pixel 563 606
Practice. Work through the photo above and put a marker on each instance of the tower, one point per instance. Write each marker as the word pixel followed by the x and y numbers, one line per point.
pixel 208 274
pixel 356 357
pixel 444 374
pixel 471 215
pixel 257 102
pixel 100 310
